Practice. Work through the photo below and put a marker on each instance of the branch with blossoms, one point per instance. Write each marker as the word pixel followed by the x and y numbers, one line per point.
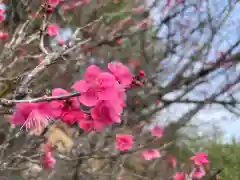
pixel 99 89
pixel 84 81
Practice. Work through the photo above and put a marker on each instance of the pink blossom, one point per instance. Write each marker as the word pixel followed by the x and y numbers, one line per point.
pixel 59 105
pixel 70 116
pixel 90 125
pixel 48 159
pixel 68 110
pixel 150 154
pixel 2 17
pixel 142 73
pixel 2 13
pixel 157 131
pixel 49 10
pixel 32 115
pixel 86 125
pixel 2 10
pixel 173 161
pixel 3 35
pixel 200 158
pixel 72 102
pixel 198 172
pixel 53 3
pixel 92 73
pixel 53 30
pixel 97 86
pixel 66 7
pixel 121 72
pixel 61 42
pixel 124 142
pixel 120 41
pixel 106 112
pixel 179 176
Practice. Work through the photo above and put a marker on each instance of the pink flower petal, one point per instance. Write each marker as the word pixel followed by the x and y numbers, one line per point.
pixel 200 158
pixel 121 72
pixel 53 3
pixel 157 131
pixel 199 172
pixel 150 154
pixel 179 176
pixel 92 73
pixel 124 142
pixel 53 30
pixel 80 86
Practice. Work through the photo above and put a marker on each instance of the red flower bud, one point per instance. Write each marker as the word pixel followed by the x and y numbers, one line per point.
pixel 141 73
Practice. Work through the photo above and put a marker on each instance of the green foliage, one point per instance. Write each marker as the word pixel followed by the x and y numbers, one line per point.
pixel 221 155
pixel 226 156
pixel 182 153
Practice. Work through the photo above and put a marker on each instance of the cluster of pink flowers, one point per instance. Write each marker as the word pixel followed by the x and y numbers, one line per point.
pixel 200 159
pixel 124 142
pixel 103 92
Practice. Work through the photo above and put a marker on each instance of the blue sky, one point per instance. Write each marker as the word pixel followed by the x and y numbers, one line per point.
pixel 228 35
